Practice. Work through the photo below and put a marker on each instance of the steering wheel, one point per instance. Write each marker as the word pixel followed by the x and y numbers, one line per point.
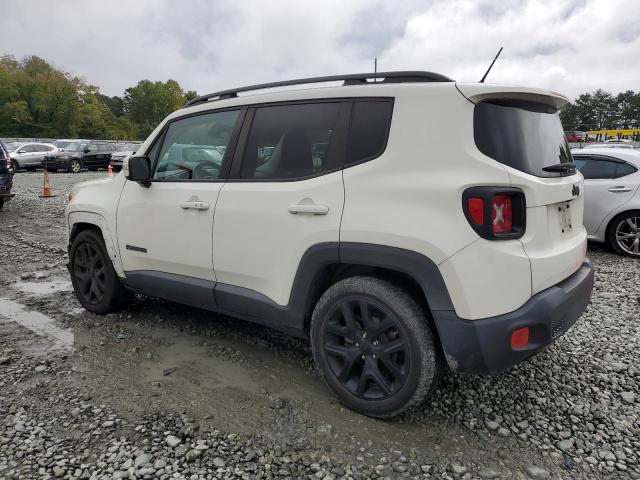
pixel 200 172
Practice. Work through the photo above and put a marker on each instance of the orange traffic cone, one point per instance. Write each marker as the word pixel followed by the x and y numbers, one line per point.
pixel 47 190
pixel 110 171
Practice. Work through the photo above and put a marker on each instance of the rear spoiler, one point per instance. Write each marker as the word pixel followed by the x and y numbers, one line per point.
pixel 478 92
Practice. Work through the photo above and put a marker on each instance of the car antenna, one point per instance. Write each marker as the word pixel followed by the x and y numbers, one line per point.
pixel 375 67
pixel 490 66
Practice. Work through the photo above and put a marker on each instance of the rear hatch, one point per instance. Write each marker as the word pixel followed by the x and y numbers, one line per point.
pixel 521 129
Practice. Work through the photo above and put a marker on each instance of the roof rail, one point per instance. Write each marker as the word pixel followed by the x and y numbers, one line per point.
pixel 348 79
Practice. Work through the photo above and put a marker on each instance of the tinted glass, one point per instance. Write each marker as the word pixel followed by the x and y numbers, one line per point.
pixel 592 168
pixel 194 147
pixel 524 135
pixel 369 129
pixel 290 141
pixel 102 147
pixel 624 169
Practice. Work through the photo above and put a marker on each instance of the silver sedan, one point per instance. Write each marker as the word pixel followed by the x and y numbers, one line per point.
pixel 611 196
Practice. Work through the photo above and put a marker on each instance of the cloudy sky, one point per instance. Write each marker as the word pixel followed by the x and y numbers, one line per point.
pixel 569 46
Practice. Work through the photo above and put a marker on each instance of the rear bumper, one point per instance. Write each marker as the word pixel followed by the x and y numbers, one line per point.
pixel 484 346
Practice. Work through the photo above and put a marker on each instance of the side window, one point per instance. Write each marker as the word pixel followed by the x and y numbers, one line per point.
pixel 194 147
pixel 369 130
pixel 624 169
pixel 291 141
pixel 92 147
pixel 47 148
pixel 103 147
pixel 595 168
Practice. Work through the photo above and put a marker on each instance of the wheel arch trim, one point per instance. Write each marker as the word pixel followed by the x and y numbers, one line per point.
pixel 77 219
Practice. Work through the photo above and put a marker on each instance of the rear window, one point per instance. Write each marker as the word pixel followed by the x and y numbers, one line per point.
pixel 524 135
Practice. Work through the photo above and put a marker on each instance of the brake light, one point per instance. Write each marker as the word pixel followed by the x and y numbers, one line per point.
pixel 475 207
pixel 501 214
pixel 495 213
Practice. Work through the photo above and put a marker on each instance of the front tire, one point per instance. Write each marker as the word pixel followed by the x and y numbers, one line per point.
pixel 373 346
pixel 94 279
pixel 75 166
pixel 624 234
pixel 15 165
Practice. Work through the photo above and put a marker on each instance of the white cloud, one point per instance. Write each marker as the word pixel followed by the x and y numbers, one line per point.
pixel 569 47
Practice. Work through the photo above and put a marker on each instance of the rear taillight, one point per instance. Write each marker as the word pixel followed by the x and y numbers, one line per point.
pixel 501 214
pixel 495 213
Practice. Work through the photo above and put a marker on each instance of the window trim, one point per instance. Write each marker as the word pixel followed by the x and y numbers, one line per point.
pixel 605 158
pixel 228 154
pixel 391 100
pixel 231 167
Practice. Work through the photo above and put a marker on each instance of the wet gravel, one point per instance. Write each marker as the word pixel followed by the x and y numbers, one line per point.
pixel 105 408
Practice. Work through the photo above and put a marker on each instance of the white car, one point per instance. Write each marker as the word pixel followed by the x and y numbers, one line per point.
pixel 357 217
pixel 29 155
pixel 612 197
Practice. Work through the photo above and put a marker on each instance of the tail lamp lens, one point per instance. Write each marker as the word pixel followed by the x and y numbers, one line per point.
pixel 476 210
pixel 501 214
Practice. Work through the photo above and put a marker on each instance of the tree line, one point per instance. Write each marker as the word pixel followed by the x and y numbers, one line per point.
pixel 39 100
pixel 601 110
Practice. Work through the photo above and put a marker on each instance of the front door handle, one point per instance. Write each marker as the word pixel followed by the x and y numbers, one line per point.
pixel 195 205
pixel 620 189
pixel 313 209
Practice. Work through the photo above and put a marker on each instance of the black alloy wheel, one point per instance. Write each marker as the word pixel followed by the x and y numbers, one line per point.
pixel 366 348
pixel 90 273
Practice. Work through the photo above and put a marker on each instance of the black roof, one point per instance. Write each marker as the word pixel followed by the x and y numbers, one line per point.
pixel 348 79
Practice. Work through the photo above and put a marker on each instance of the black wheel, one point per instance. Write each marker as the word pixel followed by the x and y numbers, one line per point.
pixel 624 234
pixel 374 347
pixel 1 203
pixel 75 166
pixel 94 280
pixel 14 164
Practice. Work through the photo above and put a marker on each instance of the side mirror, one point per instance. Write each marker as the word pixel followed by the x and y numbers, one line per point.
pixel 139 170
pixel 86 150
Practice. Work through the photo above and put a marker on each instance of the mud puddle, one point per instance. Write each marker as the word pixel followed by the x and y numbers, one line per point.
pixel 61 339
pixel 43 288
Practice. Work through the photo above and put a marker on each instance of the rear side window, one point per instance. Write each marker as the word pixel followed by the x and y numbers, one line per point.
pixel 287 142
pixel 593 168
pixel 369 130
pixel 527 136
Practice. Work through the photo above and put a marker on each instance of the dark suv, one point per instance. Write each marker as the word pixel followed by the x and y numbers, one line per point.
pixel 79 155
pixel 6 175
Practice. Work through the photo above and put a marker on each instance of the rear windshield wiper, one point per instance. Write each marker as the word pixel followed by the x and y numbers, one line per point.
pixel 560 167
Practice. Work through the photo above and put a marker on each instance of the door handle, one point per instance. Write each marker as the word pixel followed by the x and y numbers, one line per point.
pixel 620 189
pixel 195 205
pixel 312 208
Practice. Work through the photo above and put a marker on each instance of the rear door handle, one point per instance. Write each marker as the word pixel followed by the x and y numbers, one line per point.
pixel 312 209
pixel 619 189
pixel 195 205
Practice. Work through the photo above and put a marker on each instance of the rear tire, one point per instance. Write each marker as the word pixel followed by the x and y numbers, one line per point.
pixel 623 235
pixel 75 166
pixel 94 279
pixel 373 346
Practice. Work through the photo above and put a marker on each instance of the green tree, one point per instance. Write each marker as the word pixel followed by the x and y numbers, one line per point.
pixel 148 103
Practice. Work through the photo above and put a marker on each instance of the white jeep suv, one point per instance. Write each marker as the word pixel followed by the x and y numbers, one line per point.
pixel 404 226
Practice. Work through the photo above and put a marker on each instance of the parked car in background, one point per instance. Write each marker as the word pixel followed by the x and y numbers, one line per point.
pixel 6 175
pixel 616 144
pixel 618 140
pixel 64 143
pixel 78 155
pixel 575 136
pixel 123 151
pixel 611 196
pixel 29 155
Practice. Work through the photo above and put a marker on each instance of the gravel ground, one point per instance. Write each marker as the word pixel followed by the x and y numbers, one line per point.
pixel 166 391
